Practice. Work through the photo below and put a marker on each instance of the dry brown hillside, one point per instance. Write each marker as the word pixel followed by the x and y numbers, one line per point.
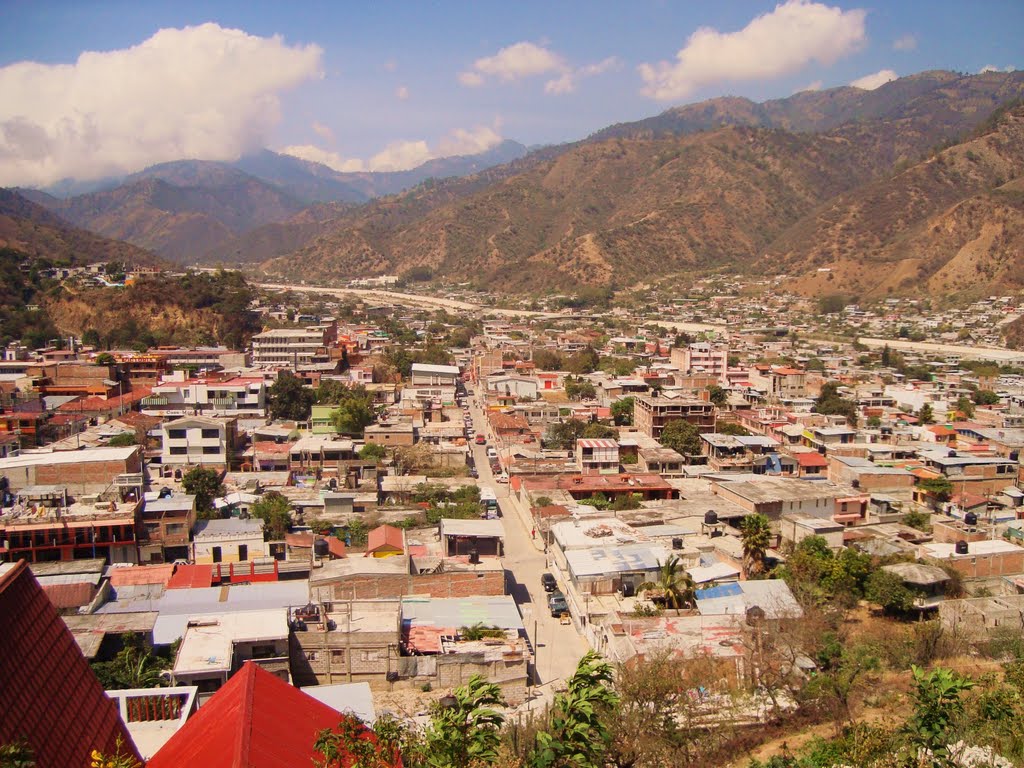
pixel 953 223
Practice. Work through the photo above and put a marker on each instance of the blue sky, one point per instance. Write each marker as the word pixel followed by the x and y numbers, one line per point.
pixel 388 85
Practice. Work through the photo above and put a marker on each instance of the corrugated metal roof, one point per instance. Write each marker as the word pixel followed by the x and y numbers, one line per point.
pixel 348 698
pixel 598 561
pixel 497 611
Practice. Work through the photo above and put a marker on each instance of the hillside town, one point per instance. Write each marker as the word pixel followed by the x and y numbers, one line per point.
pixel 372 503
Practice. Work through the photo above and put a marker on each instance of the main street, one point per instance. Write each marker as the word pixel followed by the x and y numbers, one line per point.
pixel 557 647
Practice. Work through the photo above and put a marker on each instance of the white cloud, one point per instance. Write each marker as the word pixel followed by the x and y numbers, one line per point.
pixel 323 131
pixel 876 80
pixel 812 86
pixel 402 93
pixel 566 82
pixel 200 92
pixel 403 155
pixel 774 44
pixel 993 68
pixel 905 43
pixel 323 156
pixel 514 63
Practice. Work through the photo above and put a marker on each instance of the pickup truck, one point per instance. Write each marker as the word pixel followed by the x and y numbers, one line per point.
pixel 557 604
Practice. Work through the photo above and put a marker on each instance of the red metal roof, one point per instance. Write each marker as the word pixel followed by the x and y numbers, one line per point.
pixel 385 536
pixel 51 698
pixel 256 720
pixel 141 574
pixel 811 459
pixel 335 546
pixel 188 576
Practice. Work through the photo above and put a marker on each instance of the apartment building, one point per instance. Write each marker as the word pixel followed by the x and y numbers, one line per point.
pixel 198 440
pixel 651 414
pixel 180 396
pixel 289 347
pixel 704 358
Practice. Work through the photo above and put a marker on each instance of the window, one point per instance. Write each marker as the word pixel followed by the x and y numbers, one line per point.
pixel 176 434
pixel 178 450
pixel 313 656
pixel 211 433
pixel 174 529
pixel 210 450
pixel 338 655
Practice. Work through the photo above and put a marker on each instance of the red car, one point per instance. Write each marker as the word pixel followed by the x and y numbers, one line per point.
pixel 481 440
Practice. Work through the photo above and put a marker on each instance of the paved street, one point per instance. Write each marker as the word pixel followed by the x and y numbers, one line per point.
pixel 558 647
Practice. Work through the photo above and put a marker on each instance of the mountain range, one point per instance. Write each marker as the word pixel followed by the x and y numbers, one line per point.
pixel 913 185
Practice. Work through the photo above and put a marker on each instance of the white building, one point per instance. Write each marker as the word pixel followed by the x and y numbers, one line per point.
pixel 198 440
pixel 703 358
pixel 288 347
pixel 178 396
pixel 228 541
pixel 434 375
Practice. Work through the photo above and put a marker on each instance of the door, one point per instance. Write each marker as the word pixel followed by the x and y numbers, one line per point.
pixel 243 552
pixel 215 551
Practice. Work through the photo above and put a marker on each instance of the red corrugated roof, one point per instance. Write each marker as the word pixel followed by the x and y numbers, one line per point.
pixel 70 595
pixel 51 698
pixel 189 576
pixel 141 574
pixel 256 720
pixel 812 459
pixel 385 536
pixel 335 546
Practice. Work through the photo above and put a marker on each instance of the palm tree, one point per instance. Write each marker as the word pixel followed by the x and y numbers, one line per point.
pixel 756 536
pixel 674 583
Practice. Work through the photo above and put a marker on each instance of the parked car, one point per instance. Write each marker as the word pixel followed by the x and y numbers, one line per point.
pixel 502 478
pixel 473 473
pixel 492 452
pixel 548 580
pixel 557 604
pixel 481 440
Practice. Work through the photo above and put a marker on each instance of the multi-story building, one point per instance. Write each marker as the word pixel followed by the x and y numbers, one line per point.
pixel 165 527
pixel 424 374
pixel 289 347
pixel 597 455
pixel 198 440
pixel 651 414
pixel 704 358
pixel 235 396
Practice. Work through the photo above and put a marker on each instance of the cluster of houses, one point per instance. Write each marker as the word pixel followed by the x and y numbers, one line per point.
pixel 360 595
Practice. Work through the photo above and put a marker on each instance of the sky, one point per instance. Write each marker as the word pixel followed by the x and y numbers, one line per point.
pixel 94 89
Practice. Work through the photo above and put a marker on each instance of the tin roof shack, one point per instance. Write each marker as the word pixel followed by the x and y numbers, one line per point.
pixel 445 642
pixel 232 540
pixel 164 528
pixel 772 596
pixel 44 524
pixel 868 477
pixel 345 641
pixel 926 582
pixel 980 618
pixel 775 497
pixel 475 538
pixel 215 647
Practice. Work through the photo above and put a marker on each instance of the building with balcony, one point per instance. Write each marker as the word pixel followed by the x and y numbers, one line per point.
pixel 198 440
pixel 702 358
pixel 179 396
pixel 597 456
pixel 424 374
pixel 290 347
pixel 651 414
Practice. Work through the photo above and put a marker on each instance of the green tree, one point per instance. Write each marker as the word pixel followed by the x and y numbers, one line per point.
pixel 925 414
pixel 465 732
pixel 886 590
pixel 595 430
pixel 352 417
pixel 718 396
pixel 674 585
pixel 91 337
pixel 105 358
pixel 938 489
pixel 985 397
pixel 937 707
pixel 122 440
pixel 965 406
pixel 274 510
pixel 622 411
pixel 134 666
pixel 351 744
pixel 755 533
pixel 579 389
pixel 205 485
pixel 732 428
pixel 289 399
pixel 681 436
pixel 373 452
pixel 564 434
pixel 829 402
pixel 581 727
